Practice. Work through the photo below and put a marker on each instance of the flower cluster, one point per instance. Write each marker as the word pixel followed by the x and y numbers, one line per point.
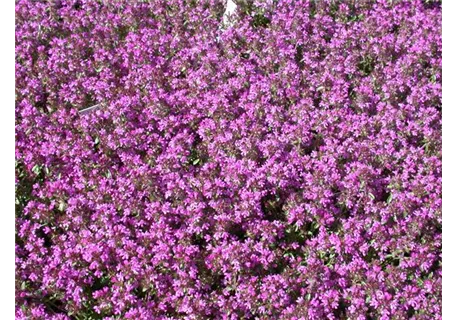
pixel 285 164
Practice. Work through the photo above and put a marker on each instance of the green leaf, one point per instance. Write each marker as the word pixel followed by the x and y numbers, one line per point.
pixel 36 169
pixel 196 161
pixel 62 206
pixel 390 198
pixel 420 282
pixel 259 20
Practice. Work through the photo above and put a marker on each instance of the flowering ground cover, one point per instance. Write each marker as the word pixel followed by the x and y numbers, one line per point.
pixel 284 165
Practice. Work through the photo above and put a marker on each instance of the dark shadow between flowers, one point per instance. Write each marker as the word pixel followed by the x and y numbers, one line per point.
pixel 341 311
pixel 315 143
pixel 237 232
pixel 272 207
pixel 46 238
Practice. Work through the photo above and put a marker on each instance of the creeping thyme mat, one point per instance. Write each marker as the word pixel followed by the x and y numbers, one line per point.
pixel 282 161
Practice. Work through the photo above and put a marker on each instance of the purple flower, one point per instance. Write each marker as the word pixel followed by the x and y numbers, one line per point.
pixel 283 163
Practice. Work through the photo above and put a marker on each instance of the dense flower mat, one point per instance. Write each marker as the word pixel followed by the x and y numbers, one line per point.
pixel 284 165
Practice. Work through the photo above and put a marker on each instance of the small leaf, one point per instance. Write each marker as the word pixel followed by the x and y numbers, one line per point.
pixel 196 161
pixel 390 198
pixel 371 196
pixel 420 282
pixel 36 169
pixel 62 206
